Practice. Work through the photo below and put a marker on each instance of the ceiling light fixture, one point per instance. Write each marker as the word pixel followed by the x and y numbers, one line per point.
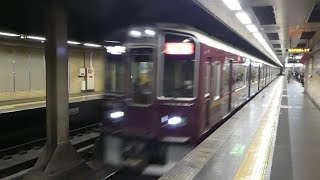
pixel 9 34
pixel 243 17
pixel 252 28
pixel 232 4
pixel 36 38
pixel 73 42
pixel 92 45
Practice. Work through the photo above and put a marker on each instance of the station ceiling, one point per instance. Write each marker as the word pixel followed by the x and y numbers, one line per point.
pixel 282 23
pixel 91 20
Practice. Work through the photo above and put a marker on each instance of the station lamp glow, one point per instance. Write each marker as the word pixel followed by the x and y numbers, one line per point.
pixel 243 17
pixel 232 4
pixel 9 34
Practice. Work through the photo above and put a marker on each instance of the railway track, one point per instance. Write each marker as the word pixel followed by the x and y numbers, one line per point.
pixel 17 159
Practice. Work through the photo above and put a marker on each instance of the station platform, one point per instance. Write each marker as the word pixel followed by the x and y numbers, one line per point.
pixel 274 136
pixel 32 102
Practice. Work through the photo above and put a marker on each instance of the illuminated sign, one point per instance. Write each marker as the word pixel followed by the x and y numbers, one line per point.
pixel 182 48
pixel 299 50
pixel 116 50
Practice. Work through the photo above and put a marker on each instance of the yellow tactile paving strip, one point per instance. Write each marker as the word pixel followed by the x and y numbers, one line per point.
pixel 256 157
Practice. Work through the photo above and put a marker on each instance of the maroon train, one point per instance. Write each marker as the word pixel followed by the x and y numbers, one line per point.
pixel 170 83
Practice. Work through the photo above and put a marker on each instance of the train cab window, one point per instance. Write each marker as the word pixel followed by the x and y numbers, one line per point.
pixel 177 69
pixel 216 80
pixel 115 74
pixel 141 75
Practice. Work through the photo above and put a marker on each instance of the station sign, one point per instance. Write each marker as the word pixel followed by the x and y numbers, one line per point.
pixel 298 50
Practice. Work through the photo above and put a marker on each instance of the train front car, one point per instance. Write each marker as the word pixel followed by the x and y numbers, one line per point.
pixel 151 95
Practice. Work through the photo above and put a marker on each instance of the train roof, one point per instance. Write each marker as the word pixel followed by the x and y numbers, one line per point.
pixel 209 40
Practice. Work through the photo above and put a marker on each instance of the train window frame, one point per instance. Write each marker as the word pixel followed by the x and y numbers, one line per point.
pixel 243 82
pixel 216 66
pixel 123 58
pixel 160 66
pixel 153 78
pixel 227 61
pixel 207 79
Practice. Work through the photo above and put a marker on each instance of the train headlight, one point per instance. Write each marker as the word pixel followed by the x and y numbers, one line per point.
pixel 116 114
pixel 176 121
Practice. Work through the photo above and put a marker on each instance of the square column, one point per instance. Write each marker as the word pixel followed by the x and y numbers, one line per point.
pixel 58 160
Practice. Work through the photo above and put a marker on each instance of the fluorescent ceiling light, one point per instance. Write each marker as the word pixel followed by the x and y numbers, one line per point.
pixel 243 17
pixel 252 28
pixel 73 42
pixel 92 45
pixel 36 38
pixel 150 32
pixel 258 35
pixel 9 34
pixel 232 4
pixel 109 41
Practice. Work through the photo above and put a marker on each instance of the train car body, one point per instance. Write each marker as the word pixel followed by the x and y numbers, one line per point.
pixel 170 83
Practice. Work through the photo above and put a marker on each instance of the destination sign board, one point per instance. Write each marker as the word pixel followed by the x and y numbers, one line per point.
pixel 299 50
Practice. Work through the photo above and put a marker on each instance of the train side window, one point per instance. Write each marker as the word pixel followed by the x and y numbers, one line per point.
pixel 239 73
pixel 207 79
pixel 216 80
pixel 226 76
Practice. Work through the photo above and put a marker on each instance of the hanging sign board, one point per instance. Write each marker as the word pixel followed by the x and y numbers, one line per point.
pixel 299 50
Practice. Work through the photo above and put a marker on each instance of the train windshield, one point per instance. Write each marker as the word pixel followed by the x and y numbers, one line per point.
pixel 115 74
pixel 178 67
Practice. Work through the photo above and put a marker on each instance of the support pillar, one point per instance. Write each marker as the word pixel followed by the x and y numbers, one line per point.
pixel 58 159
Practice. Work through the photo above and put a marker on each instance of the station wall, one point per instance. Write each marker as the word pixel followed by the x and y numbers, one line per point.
pixel 22 70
